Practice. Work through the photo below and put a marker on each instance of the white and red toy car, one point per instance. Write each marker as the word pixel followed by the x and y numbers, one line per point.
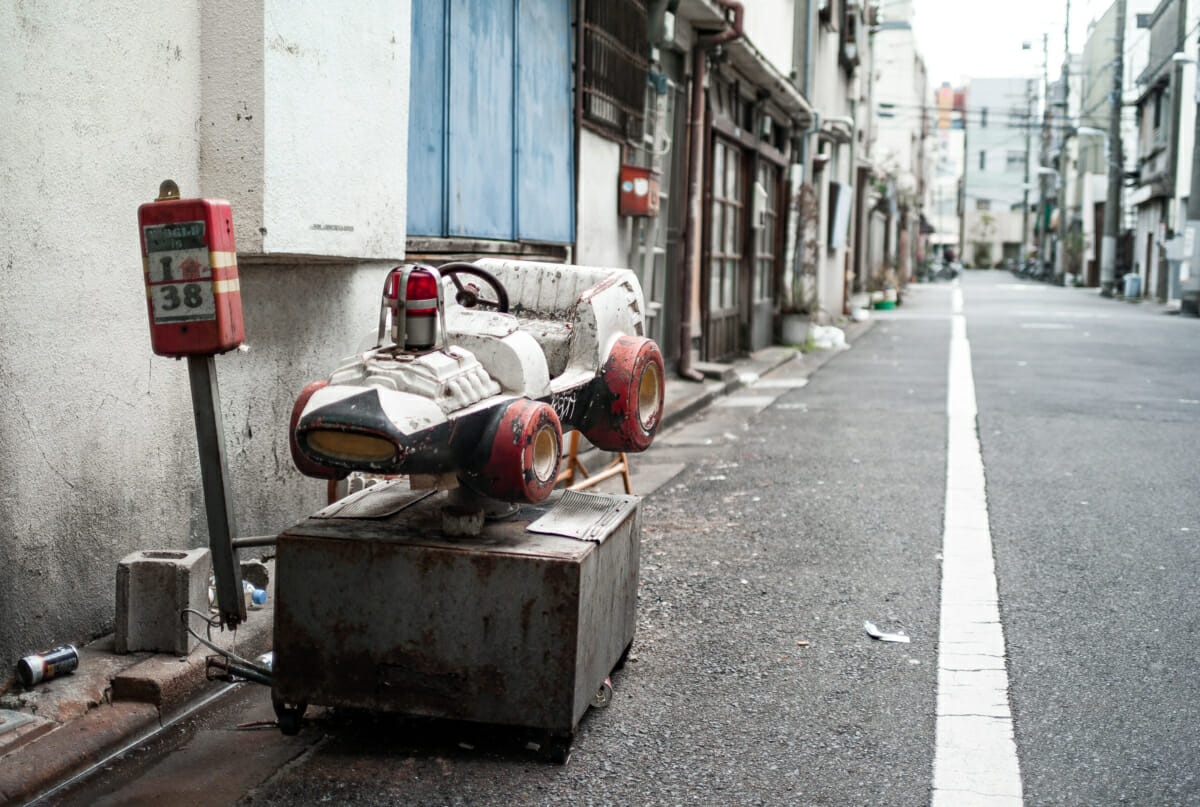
pixel 487 364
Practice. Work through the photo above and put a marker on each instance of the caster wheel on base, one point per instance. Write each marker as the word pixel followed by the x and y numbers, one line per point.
pixel 288 715
pixel 603 696
pixel 556 748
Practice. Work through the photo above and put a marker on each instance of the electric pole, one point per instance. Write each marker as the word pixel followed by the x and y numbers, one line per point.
pixel 962 212
pixel 1189 268
pixel 1044 220
pixel 1060 251
pixel 1116 166
pixel 1025 206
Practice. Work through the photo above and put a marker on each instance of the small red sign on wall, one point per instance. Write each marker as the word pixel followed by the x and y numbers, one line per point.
pixel 639 191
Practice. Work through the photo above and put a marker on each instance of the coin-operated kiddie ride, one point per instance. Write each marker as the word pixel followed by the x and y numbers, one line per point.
pixel 465 589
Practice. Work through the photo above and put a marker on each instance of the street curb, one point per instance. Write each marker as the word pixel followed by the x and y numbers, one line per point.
pixel 691 404
pixel 683 405
pixel 59 754
pixel 138 699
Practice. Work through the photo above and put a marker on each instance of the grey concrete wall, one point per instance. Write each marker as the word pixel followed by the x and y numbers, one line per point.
pixel 97 442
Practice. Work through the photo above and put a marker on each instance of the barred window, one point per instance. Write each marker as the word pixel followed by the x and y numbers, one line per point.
pixel 615 67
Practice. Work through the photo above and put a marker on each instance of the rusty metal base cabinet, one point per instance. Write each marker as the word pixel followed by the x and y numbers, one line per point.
pixel 510 627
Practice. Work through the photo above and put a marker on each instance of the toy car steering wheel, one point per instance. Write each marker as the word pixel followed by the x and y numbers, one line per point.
pixel 468 296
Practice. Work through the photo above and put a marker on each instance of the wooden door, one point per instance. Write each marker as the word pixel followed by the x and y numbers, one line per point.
pixel 724 256
pixel 767 246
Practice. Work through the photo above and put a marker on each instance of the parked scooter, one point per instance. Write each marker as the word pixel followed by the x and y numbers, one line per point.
pixel 1032 269
pixel 940 270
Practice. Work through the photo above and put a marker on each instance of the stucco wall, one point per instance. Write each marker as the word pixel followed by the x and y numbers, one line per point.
pixel 768 24
pixel 99 455
pixel 305 123
pixel 602 237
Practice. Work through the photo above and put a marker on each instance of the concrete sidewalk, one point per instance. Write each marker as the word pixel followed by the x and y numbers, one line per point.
pixel 62 727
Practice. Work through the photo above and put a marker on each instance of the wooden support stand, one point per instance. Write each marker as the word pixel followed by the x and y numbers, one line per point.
pixel 573 466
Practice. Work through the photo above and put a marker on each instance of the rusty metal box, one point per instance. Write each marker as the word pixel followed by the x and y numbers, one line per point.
pixel 510 627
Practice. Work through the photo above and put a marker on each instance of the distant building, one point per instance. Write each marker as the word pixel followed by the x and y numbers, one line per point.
pixel 999 111
pixel 899 143
pixel 946 156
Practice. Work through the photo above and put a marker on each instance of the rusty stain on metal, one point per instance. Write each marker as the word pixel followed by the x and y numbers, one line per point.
pixel 485 567
pixel 526 615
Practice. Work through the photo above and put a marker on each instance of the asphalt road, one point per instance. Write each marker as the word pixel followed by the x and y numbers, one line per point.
pixel 791 512
pixel 1090 426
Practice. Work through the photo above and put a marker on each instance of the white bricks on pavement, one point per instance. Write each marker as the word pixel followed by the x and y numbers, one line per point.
pixel 975 762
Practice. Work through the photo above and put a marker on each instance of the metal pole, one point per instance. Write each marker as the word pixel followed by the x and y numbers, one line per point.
pixel 214 474
pixel 1028 142
pixel 1060 251
pixel 1080 179
pixel 962 213
pixel 1043 219
pixel 1116 162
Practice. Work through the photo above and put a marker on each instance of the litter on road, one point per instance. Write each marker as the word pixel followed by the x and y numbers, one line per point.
pixel 876 633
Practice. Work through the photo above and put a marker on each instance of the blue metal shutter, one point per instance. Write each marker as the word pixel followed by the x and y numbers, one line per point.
pixel 427 120
pixel 545 123
pixel 490 120
pixel 480 141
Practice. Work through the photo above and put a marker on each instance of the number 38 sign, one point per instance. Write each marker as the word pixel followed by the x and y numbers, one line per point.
pixel 190 266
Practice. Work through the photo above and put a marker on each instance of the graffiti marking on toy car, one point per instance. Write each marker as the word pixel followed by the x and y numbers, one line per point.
pixel 564 404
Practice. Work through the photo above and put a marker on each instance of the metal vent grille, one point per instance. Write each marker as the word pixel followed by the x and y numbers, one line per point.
pixel 584 516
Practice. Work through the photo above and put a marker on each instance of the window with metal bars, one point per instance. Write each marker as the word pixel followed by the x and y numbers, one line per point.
pixel 615 67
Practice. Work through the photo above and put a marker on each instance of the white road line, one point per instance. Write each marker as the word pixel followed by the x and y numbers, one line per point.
pixel 975 762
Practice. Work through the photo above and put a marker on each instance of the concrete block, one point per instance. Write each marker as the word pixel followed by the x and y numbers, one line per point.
pixel 153 588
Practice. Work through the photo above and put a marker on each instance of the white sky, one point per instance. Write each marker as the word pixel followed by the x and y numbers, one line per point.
pixel 982 38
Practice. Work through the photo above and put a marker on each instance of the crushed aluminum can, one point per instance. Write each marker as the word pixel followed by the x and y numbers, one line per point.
pixel 34 669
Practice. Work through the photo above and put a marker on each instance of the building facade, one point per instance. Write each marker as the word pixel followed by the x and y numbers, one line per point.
pixel 1165 117
pixel 947 166
pixel 350 139
pixel 305 133
pixel 900 137
pixel 995 171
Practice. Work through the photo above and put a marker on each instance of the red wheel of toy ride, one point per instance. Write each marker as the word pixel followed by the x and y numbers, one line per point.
pixel 629 401
pixel 523 458
pixel 303 463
